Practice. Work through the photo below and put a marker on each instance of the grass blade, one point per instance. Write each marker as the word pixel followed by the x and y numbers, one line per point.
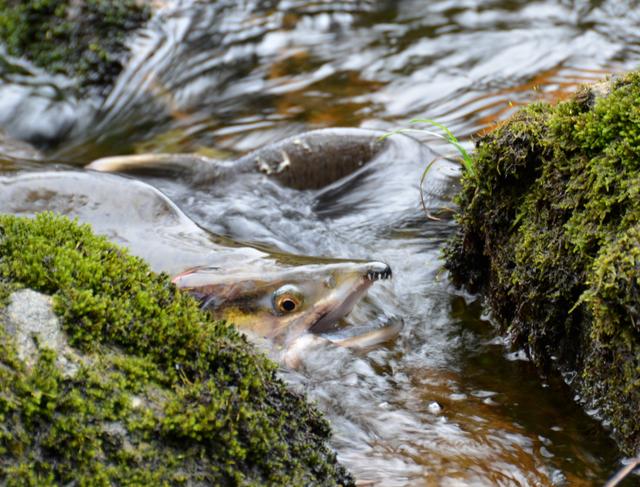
pixel 422 178
pixel 466 158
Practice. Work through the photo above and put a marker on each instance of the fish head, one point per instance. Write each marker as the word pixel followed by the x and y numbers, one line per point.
pixel 280 305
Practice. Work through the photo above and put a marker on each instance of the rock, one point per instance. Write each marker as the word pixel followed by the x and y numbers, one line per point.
pixel 549 231
pixel 129 382
pixel 85 40
pixel 29 319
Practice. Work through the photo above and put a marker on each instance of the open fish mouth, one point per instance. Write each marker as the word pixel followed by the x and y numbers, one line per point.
pixel 374 271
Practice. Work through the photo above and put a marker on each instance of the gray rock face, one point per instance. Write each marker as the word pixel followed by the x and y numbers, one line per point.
pixel 29 319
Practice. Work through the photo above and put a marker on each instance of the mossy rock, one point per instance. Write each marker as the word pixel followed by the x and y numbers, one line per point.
pixel 161 393
pixel 549 230
pixel 84 40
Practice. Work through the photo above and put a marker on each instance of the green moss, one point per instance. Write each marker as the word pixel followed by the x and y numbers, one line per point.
pixel 549 229
pixel 164 395
pixel 79 39
pixel 6 288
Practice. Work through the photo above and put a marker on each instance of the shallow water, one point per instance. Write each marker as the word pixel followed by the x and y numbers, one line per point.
pixel 446 403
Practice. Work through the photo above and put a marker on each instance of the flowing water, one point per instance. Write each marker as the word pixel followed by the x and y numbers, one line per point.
pixel 446 403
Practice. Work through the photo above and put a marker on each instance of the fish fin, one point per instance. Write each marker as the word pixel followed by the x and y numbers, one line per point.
pixel 372 338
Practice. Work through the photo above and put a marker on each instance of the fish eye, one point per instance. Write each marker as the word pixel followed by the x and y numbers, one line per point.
pixel 287 299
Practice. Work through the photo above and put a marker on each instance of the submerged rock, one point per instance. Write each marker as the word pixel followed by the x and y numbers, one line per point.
pixel 126 381
pixel 550 230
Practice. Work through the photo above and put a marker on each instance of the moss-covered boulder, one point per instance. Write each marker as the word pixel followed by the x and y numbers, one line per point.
pixel 84 40
pixel 153 391
pixel 550 230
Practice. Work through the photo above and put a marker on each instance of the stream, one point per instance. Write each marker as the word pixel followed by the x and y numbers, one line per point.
pixel 447 403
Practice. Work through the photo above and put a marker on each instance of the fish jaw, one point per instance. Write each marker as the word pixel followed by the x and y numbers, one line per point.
pixel 332 310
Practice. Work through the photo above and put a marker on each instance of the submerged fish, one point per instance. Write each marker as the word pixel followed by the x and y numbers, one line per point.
pixel 264 298
pixel 328 160
pixel 311 160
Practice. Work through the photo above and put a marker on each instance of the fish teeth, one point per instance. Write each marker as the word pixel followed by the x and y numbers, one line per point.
pixel 375 276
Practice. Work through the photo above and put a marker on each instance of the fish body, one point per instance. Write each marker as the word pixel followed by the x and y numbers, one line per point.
pixel 311 160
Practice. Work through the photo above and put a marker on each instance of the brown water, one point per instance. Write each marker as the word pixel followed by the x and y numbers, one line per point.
pixel 447 403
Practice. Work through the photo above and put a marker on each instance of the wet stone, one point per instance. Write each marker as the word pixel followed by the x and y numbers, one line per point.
pixel 29 318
